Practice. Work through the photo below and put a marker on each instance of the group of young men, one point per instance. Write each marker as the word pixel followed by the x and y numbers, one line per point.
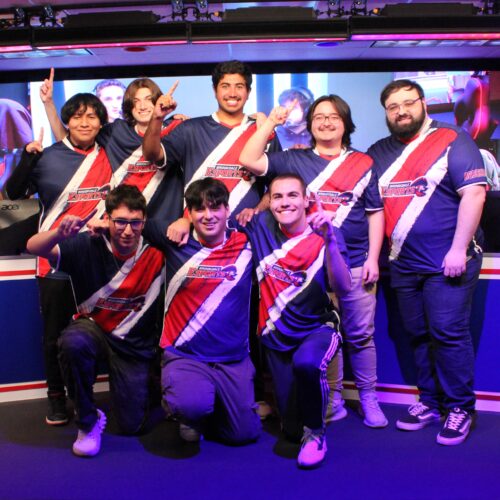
pixel 309 221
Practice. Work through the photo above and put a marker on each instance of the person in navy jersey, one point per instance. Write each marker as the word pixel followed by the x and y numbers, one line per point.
pixel 432 182
pixel 122 141
pixel 72 176
pixel 299 259
pixel 210 146
pixel 207 375
pixel 116 279
pixel 341 177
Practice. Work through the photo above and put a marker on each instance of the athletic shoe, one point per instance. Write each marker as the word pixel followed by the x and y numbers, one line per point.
pixel 419 416
pixel 189 434
pixel 369 409
pixel 263 410
pixel 57 413
pixel 313 449
pixel 336 409
pixel 456 428
pixel 88 444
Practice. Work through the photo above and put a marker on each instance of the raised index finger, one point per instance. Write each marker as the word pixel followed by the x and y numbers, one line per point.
pixel 89 216
pixel 172 88
pixel 40 136
pixel 51 75
pixel 317 199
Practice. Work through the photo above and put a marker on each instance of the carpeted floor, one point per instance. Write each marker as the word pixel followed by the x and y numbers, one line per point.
pixel 36 463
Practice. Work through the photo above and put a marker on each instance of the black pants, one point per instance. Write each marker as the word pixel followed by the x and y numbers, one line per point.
pixel 57 306
pixel 83 346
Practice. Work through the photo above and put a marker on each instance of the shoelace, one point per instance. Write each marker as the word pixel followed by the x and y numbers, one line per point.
pixel 417 409
pixel 311 436
pixel 455 420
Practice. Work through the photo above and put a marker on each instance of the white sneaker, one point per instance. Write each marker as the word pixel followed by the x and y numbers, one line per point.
pixel 189 434
pixel 336 409
pixel 313 449
pixel 88 444
pixel 370 409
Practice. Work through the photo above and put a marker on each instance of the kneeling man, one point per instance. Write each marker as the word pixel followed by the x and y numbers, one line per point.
pixel 116 280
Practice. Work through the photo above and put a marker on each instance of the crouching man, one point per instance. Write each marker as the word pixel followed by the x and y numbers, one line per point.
pixel 299 259
pixel 116 279
pixel 207 375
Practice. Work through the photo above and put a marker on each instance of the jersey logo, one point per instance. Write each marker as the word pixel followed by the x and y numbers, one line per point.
pixel 295 278
pixel 418 188
pixel 89 194
pixel 121 303
pixel 224 171
pixel 141 166
pixel 335 197
pixel 213 272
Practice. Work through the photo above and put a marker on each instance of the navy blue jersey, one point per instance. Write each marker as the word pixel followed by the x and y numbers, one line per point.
pixel 343 186
pixel 207 301
pixel 419 183
pixel 293 282
pixel 120 296
pixel 162 189
pixel 203 147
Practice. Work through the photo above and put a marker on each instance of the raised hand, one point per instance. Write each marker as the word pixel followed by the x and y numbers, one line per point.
pixel 166 103
pixel 279 114
pixel 71 224
pixel 47 88
pixel 320 221
pixel 36 146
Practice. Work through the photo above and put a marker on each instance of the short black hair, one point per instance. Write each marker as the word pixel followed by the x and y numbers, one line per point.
pixel 85 100
pixel 397 85
pixel 128 97
pixel 290 176
pixel 127 195
pixel 206 192
pixel 232 68
pixel 344 112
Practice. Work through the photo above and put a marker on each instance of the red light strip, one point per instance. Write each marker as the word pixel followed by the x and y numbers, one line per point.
pixel 110 45
pixel 429 36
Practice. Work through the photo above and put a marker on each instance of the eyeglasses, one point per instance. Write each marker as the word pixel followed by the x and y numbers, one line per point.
pixel 323 118
pixel 121 224
pixel 394 108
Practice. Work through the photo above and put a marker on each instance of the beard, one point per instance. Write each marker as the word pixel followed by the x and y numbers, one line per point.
pixel 408 130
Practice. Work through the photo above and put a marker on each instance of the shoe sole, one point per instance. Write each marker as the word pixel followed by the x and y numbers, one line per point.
pixel 56 422
pixel 340 415
pixel 403 426
pixel 312 466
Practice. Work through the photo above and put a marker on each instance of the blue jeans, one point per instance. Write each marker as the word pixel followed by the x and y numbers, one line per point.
pixel 436 314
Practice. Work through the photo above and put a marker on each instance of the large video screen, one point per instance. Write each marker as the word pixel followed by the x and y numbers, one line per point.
pixel 468 99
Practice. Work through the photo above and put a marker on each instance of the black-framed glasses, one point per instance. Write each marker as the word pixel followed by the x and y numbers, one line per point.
pixel 321 118
pixel 409 103
pixel 121 224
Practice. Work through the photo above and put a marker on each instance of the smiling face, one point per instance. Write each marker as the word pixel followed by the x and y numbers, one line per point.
pixel 209 222
pixel 124 240
pixel 112 98
pixel 408 115
pixel 327 126
pixel 83 127
pixel 143 107
pixel 231 94
pixel 288 204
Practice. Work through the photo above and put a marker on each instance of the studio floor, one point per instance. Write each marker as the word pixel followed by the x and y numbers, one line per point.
pixel 36 462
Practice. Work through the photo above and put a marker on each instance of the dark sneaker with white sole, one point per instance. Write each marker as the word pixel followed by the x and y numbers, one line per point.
pixel 418 416
pixel 456 428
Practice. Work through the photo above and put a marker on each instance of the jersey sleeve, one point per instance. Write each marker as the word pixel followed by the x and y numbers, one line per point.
pixel 173 145
pixel 373 200
pixel 465 163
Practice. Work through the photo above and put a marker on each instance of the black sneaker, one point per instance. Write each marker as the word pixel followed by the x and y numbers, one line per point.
pixel 57 413
pixel 456 428
pixel 419 416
